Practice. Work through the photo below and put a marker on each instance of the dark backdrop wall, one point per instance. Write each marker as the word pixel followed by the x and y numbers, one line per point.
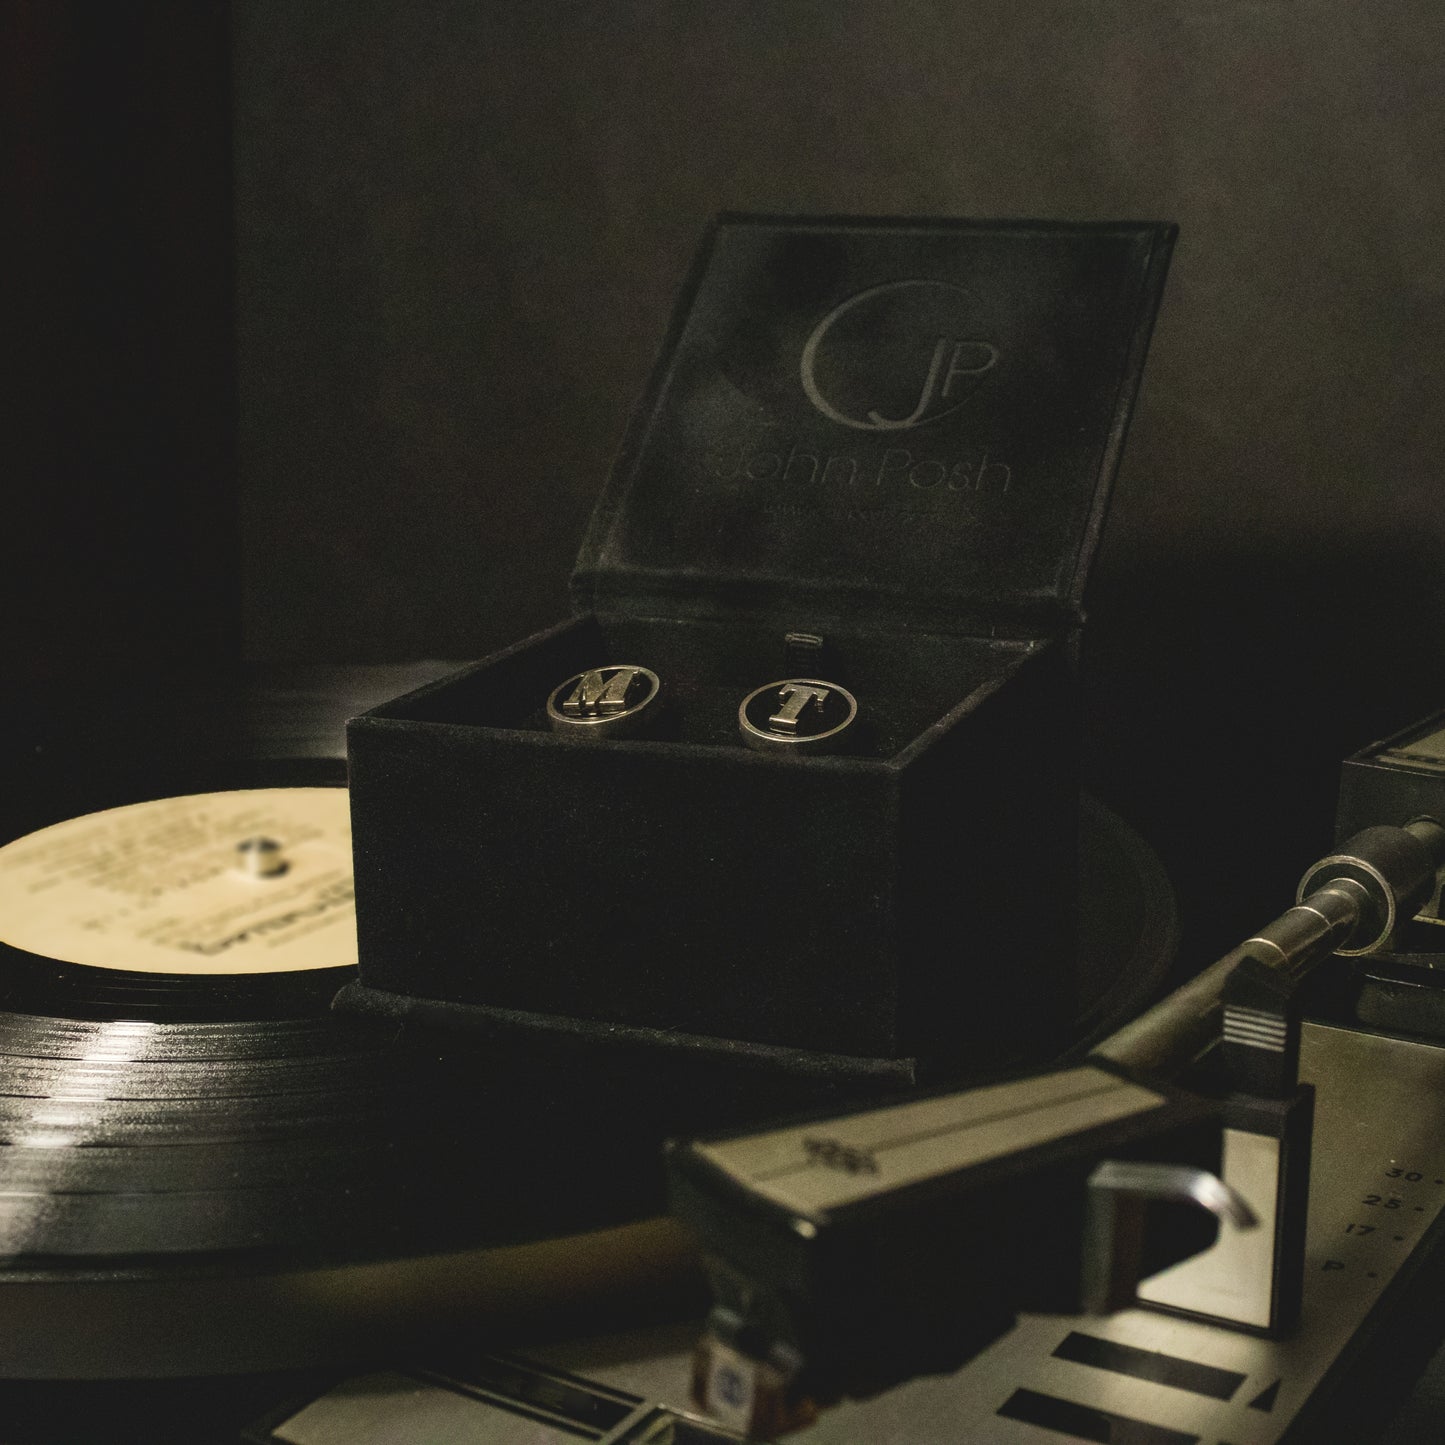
pixel 460 227
pixel 118 531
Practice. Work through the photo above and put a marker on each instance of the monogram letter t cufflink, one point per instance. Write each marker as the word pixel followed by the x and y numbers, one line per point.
pixel 799 715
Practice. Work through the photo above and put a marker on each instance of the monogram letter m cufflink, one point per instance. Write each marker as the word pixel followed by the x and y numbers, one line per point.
pixel 611 702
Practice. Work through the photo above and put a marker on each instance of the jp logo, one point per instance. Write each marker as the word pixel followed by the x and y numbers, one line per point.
pixel 871 351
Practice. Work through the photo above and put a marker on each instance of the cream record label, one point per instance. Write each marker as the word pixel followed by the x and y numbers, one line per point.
pixel 249 882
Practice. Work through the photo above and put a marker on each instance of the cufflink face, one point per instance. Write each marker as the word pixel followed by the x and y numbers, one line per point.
pixel 608 702
pixel 797 715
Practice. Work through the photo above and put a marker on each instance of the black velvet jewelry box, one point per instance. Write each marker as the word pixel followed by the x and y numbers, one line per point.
pixel 896 436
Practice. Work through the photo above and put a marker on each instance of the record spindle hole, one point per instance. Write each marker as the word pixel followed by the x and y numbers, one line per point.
pixel 261 857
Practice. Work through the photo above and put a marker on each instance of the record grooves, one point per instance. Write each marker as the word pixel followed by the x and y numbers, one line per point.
pixel 31 984
pixel 174 1115
pixel 205 1163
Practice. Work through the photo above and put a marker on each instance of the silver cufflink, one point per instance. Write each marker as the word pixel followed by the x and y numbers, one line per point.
pixel 798 715
pixel 608 702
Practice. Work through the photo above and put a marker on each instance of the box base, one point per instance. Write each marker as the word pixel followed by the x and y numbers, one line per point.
pixel 1128 932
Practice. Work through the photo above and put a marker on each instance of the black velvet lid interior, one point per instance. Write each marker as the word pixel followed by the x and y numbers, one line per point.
pixel 916 419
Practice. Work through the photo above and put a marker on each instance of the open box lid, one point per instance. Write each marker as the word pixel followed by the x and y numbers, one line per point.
pixel 917 420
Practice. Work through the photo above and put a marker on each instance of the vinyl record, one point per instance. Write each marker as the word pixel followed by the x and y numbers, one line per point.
pixel 202 1168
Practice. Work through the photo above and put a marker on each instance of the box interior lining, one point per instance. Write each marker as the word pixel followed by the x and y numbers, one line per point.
pixel 904 682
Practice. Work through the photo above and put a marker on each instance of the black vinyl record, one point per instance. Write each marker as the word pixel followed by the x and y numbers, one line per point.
pixel 202 1168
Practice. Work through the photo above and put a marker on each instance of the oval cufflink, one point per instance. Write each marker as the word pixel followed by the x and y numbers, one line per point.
pixel 797 715
pixel 612 702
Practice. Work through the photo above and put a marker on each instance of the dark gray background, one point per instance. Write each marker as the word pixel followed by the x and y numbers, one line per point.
pixel 460 227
